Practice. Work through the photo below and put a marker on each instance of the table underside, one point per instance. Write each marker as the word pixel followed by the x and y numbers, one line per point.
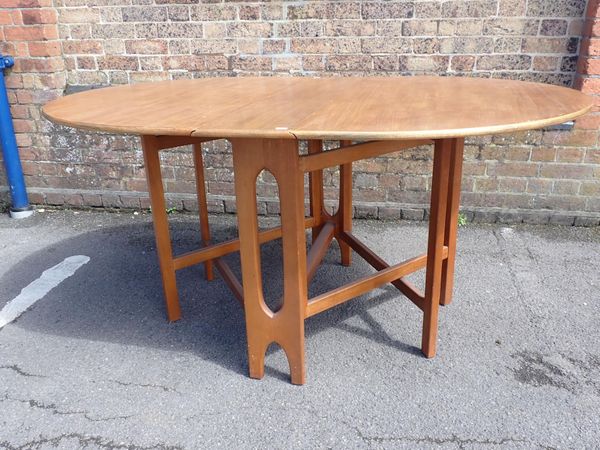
pixel 283 160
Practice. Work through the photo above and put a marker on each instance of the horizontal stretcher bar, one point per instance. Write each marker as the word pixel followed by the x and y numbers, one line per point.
pixel 231 280
pixel 378 263
pixel 344 155
pixel 363 285
pixel 217 250
pixel 319 249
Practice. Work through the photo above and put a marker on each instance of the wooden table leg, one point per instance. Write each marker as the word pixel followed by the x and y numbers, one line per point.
pixel 315 186
pixel 451 227
pixel 345 207
pixel 161 226
pixel 435 244
pixel 202 206
pixel 264 326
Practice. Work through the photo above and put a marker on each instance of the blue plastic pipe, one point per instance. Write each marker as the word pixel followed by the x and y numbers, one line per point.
pixel 14 172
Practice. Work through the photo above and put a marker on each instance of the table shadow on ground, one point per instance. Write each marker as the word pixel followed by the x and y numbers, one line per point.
pixel 117 297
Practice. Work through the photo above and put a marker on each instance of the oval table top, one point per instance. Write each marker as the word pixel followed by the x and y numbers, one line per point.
pixel 370 108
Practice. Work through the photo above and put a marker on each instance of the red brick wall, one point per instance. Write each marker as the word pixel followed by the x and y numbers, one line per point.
pixel 536 176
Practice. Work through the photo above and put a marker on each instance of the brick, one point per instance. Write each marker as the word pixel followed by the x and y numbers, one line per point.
pixel 413 214
pixel 212 12
pixel 249 29
pixel 273 45
pixel 546 63
pixel 272 11
pixel 386 45
pixel 566 187
pixel 38 16
pixel 515 169
pixel 323 10
pixel 118 63
pixel 566 171
pixel 387 10
pixel 561 202
pixel 574 138
pixel 590 188
pixel 146 47
pixel 509 217
pixel 169 30
pixel 467 45
pixel 287 63
pixel 178 13
pixel 570 154
pixel 469 27
pixel 260 63
pixel 553 27
pixel 581 221
pixel 512 7
pixel 183 62
pixel 349 62
pixel 249 12
pixel 52 48
pixel 350 28
pixel 535 218
pixel 539 186
pixel 424 63
pixel 30 33
pixel 79 15
pixel 511 26
pixel 549 45
pixel 428 9
pixel 469 8
pixel 592 155
pixel 504 62
pixel 225 46
pixel 562 219
pixel 82 47
pixel 144 14
pixel 86 63
pixel 462 63
pixel 111 30
pixel 389 213
pixel 50 64
pixel 385 63
pixel 408 28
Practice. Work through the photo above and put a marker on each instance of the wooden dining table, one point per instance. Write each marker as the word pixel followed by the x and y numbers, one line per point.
pixel 265 119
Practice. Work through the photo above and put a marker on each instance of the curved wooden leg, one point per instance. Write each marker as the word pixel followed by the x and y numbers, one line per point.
pixel 202 206
pixel 451 230
pixel 345 207
pixel 263 326
pixel 161 226
pixel 435 245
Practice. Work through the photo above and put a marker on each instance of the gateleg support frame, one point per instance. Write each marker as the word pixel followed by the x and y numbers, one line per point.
pixel 280 156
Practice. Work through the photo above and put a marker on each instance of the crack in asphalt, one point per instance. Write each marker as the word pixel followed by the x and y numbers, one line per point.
pixel 460 442
pixel 149 385
pixel 84 441
pixel 18 370
pixel 55 410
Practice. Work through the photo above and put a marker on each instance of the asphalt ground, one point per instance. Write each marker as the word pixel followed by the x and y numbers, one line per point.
pixel 94 363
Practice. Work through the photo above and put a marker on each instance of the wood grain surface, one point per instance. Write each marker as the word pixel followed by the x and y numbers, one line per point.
pixel 321 108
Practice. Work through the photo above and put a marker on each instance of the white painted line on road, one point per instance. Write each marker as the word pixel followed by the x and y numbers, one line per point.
pixel 37 289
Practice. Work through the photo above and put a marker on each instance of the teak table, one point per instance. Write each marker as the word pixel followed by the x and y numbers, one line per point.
pixel 264 118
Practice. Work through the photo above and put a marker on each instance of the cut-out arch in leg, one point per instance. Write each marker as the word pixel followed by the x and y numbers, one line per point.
pixel 286 326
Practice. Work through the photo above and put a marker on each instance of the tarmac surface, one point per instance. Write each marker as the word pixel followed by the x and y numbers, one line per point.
pixel 94 364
